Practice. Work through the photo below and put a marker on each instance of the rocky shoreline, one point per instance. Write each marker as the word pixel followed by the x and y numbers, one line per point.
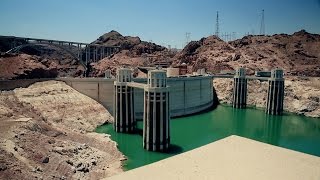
pixel 47 133
pixel 302 94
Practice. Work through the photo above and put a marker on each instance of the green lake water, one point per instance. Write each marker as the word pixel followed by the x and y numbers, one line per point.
pixel 290 131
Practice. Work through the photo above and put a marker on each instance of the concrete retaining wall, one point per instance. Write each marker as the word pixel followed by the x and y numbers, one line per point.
pixel 188 95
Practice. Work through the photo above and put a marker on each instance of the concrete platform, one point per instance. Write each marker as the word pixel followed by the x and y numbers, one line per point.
pixel 233 157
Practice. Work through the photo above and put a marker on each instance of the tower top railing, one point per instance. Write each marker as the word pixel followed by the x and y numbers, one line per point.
pixel 240 73
pixel 277 74
pixel 157 78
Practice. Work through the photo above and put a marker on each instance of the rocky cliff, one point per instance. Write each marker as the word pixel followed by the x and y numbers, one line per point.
pixel 46 132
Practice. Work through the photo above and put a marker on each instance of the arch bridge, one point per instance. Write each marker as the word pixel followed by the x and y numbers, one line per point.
pixel 83 52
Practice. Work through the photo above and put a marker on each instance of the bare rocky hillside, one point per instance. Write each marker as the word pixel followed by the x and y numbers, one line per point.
pixel 297 54
pixel 134 52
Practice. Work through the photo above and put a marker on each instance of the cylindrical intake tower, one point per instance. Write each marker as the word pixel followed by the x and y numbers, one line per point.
pixel 275 92
pixel 156 119
pixel 124 120
pixel 240 89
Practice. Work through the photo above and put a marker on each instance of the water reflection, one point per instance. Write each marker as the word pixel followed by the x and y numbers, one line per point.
pixel 272 129
pixel 262 127
pixel 238 121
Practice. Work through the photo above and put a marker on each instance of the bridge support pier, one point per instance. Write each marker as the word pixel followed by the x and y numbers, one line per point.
pixel 124 120
pixel 240 89
pixel 156 119
pixel 87 50
pixel 275 92
pixel 94 54
pixel 103 56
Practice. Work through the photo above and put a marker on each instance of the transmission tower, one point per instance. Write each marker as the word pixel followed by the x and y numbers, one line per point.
pixel 188 34
pixel 217 25
pixel 262 28
pixel 233 35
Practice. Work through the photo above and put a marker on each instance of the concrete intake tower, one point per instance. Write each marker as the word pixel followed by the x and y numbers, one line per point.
pixel 240 89
pixel 124 120
pixel 275 92
pixel 156 118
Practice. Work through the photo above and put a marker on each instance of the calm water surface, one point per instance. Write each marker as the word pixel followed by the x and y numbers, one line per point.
pixel 289 131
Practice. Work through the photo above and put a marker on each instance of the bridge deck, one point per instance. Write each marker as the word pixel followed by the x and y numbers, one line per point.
pixel 54 41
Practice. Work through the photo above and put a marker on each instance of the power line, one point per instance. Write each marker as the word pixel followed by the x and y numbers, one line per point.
pixel 262 27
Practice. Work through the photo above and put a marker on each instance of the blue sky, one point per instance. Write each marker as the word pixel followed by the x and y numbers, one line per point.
pixel 164 22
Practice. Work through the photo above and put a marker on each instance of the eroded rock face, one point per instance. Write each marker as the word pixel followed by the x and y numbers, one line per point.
pixel 301 94
pixel 46 132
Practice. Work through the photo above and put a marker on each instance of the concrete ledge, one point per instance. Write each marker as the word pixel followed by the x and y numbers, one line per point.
pixel 233 157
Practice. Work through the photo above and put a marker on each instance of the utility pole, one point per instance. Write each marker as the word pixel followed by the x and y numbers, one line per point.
pixel 262 27
pixel 217 25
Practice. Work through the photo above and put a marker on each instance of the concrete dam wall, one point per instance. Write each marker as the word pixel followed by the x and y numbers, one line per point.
pixel 187 95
